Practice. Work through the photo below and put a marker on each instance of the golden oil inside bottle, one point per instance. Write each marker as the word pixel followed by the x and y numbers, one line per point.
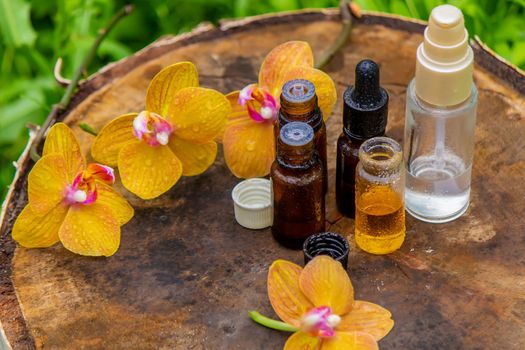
pixel 379 219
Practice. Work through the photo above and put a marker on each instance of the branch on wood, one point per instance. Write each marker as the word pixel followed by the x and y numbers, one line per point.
pixel 346 17
pixel 73 84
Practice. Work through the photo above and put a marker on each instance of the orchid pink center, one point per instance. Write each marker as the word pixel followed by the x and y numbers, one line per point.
pixel 83 189
pixel 152 128
pixel 320 322
pixel 261 105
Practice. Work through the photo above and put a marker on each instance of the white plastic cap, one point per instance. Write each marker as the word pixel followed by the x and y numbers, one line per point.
pixel 444 59
pixel 252 201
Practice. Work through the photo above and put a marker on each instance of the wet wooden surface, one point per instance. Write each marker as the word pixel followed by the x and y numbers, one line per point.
pixel 186 273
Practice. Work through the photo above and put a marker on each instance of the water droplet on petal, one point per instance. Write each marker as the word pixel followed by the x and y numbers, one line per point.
pixel 250 146
pixel 149 162
pixel 195 128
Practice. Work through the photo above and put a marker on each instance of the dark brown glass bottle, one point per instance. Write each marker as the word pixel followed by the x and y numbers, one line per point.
pixel 297 187
pixel 365 114
pixel 299 104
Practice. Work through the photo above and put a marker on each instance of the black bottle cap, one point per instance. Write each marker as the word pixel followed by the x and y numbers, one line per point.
pixel 327 243
pixel 365 109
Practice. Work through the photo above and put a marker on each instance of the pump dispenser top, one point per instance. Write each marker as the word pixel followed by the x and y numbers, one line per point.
pixel 444 59
pixel 365 108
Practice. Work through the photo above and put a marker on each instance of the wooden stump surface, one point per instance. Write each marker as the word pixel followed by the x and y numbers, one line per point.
pixel 186 274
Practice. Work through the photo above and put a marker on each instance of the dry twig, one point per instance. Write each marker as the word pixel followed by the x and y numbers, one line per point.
pixel 73 84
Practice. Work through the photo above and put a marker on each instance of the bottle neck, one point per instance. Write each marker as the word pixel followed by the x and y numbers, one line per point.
pixel 359 138
pixel 295 156
pixel 431 108
pixel 381 156
pixel 313 117
pixel 290 107
pixel 364 122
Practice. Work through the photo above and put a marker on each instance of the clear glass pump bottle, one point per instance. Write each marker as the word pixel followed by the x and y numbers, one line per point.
pixel 440 121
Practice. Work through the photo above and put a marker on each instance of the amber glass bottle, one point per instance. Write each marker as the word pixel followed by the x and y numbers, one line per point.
pixel 365 114
pixel 297 187
pixel 299 104
pixel 380 196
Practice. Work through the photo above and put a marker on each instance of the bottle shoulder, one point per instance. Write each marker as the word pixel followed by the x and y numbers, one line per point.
pixel 347 146
pixel 416 103
pixel 315 120
pixel 294 174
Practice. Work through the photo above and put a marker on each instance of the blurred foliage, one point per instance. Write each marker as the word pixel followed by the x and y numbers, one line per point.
pixel 499 23
pixel 34 33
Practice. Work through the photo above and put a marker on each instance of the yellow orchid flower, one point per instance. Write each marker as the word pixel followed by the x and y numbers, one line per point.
pixel 70 202
pixel 248 139
pixel 173 136
pixel 319 301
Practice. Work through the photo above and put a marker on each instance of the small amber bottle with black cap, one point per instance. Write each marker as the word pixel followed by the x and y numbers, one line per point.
pixel 297 187
pixel 299 104
pixel 365 114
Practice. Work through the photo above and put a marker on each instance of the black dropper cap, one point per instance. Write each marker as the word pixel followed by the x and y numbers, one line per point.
pixel 365 109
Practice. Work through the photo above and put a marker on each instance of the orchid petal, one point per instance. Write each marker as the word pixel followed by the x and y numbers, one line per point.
pixel 256 116
pixel 245 94
pixel 264 107
pixel 101 172
pixel 164 86
pixel 47 183
pixel 32 230
pixel 199 114
pixel 152 128
pixel 148 171
pixel 325 282
pixel 237 113
pixel 302 341
pixel 249 147
pixel 280 61
pixel 369 318
pixel 324 86
pixel 195 158
pixel 110 140
pixel 320 321
pixel 285 295
pixel 110 198
pixel 140 125
pixel 350 341
pixel 62 140
pixel 91 230
pixel 90 198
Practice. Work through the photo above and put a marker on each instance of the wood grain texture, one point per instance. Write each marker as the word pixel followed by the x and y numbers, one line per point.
pixel 186 273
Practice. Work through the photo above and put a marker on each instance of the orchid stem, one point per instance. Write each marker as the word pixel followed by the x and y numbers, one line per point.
pixel 346 17
pixel 270 323
pixel 71 88
pixel 88 128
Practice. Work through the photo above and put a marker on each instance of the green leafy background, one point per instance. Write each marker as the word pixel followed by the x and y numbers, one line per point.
pixel 34 33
